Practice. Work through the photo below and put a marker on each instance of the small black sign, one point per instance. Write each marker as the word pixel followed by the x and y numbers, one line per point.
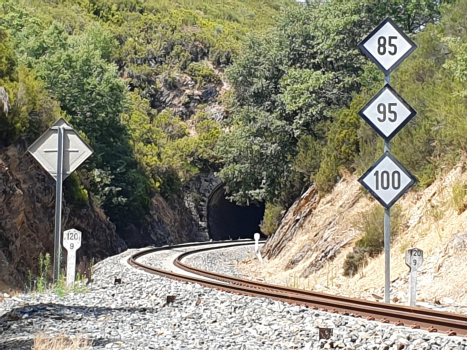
pixel 325 333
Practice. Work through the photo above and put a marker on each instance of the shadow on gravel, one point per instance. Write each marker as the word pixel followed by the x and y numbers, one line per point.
pixel 18 327
pixel 28 344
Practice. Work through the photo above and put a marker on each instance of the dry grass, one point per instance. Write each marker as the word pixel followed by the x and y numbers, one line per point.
pixel 44 341
pixel 443 273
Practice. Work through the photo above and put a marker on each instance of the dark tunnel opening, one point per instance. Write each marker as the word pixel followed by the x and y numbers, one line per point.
pixel 228 220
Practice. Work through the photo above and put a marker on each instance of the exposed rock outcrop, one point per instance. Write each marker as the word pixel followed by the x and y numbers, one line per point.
pixel 27 209
pixel 197 192
pixel 317 229
pixel 167 223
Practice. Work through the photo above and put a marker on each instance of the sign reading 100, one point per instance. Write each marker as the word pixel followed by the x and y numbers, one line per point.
pixel 385 181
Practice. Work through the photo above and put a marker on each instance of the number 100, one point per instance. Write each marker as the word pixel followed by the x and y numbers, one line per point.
pixel 386 180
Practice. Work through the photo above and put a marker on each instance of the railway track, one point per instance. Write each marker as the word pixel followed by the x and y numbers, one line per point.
pixel 432 321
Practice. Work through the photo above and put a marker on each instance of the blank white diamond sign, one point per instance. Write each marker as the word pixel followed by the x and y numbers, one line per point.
pixel 75 149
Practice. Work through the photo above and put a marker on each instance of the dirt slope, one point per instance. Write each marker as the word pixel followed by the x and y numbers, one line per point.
pixel 309 248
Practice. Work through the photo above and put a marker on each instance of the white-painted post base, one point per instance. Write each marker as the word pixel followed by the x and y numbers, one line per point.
pixel 413 259
pixel 413 287
pixel 71 268
pixel 71 242
pixel 258 253
pixel 256 236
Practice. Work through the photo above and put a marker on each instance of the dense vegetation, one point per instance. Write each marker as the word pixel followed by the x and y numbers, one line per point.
pixel 299 88
pixel 125 74
pixel 143 82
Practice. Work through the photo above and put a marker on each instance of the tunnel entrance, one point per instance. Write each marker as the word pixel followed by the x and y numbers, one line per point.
pixel 228 220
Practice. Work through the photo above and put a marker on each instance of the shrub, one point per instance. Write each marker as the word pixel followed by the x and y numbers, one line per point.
pixel 44 268
pixel 75 192
pixel 372 242
pixel 308 158
pixel 272 218
pixel 202 73
pixel 459 192
pixel 342 147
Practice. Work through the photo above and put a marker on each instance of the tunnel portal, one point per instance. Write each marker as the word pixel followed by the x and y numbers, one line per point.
pixel 228 220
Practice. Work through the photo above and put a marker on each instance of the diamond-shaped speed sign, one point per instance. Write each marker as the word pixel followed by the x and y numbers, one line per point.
pixel 387 180
pixel 387 113
pixel 387 46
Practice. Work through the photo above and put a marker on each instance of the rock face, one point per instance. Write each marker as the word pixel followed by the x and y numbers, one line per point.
pixel 317 229
pixel 27 209
pixel 291 223
pixel 167 223
pixel 197 193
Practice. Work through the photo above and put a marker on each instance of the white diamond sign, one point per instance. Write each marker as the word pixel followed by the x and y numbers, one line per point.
pixel 387 113
pixel 75 150
pixel 387 46
pixel 387 180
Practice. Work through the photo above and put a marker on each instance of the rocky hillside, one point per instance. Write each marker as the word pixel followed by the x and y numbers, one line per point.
pixel 316 235
pixel 27 209
pixel 143 82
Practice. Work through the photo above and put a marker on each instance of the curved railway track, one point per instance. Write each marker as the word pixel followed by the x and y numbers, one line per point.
pixel 432 321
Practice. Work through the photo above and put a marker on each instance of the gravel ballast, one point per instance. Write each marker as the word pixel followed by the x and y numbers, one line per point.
pixel 134 314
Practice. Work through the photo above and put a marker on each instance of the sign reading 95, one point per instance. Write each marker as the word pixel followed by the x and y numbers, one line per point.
pixel 387 45
pixel 387 112
pixel 71 239
pixel 387 180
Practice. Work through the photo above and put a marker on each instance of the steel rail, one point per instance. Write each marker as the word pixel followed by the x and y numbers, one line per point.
pixel 451 323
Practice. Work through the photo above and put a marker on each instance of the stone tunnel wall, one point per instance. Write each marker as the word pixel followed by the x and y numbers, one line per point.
pixel 223 218
pixel 197 193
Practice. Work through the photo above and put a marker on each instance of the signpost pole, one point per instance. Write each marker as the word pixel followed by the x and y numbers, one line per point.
pixel 58 206
pixel 387 112
pixel 413 286
pixel 387 233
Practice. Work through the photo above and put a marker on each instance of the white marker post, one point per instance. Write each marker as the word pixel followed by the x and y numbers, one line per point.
pixel 413 259
pixel 256 236
pixel 71 242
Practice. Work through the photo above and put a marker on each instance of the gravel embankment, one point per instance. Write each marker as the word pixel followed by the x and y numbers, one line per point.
pixel 135 315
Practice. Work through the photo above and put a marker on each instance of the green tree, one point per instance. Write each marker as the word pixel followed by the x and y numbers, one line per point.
pixel 26 108
pixel 75 69
pixel 287 84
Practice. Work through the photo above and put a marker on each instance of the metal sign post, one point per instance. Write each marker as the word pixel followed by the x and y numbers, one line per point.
pixel 71 242
pixel 58 204
pixel 60 150
pixel 387 112
pixel 413 259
